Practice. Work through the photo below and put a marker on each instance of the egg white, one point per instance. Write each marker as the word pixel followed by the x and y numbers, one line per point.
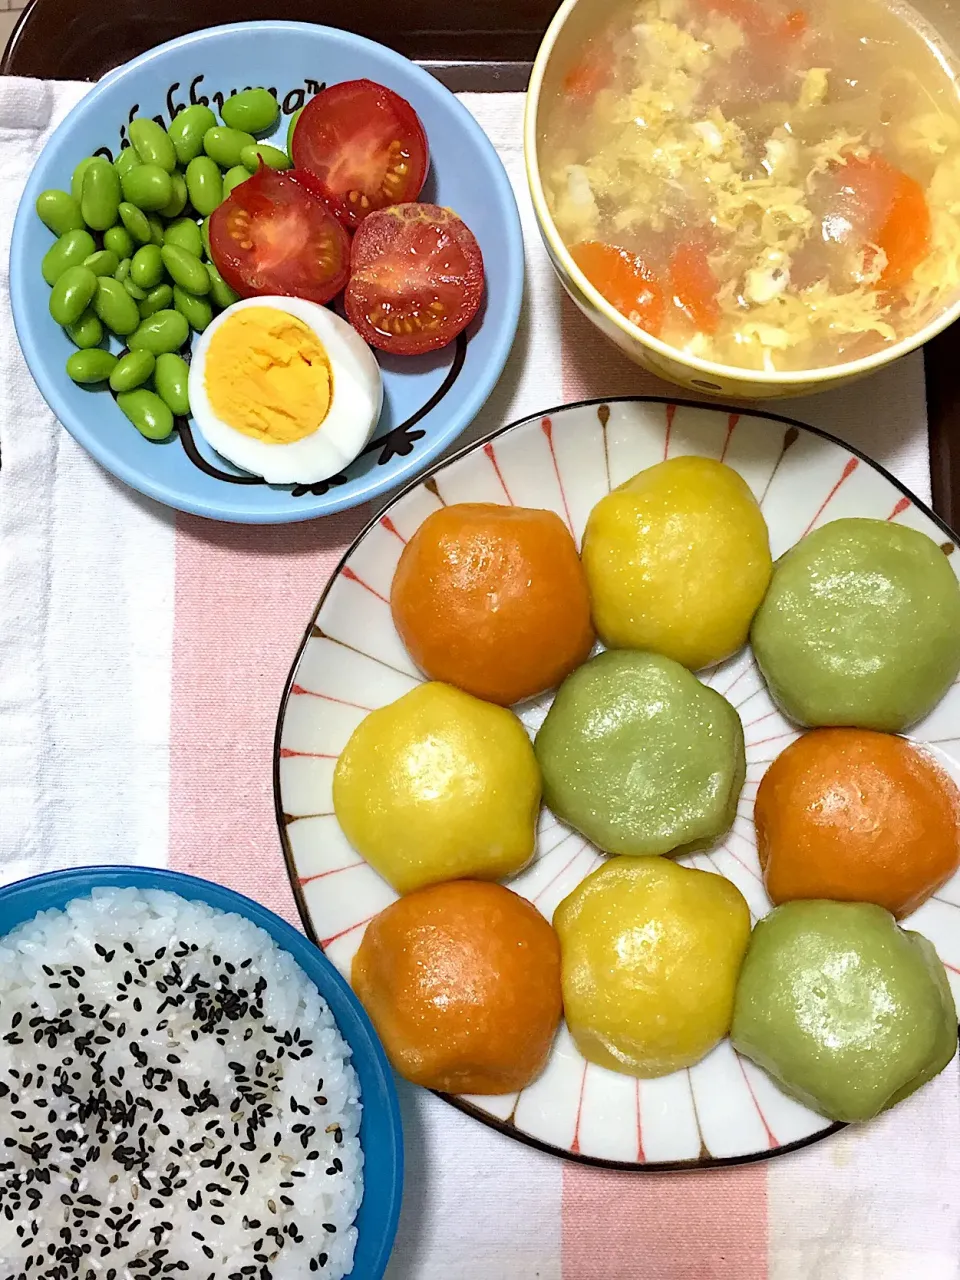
pixel 357 396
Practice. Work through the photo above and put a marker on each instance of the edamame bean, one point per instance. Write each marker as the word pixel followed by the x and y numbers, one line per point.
pixel 72 294
pixel 233 178
pixel 103 263
pixel 204 185
pixel 119 241
pixel 185 270
pixel 115 307
pixel 187 130
pixel 205 236
pixel 272 157
pixel 100 194
pixel 76 182
pixel 69 251
pixel 290 128
pixel 221 294
pixel 224 145
pixel 147 412
pixel 86 332
pixel 152 143
pixel 163 331
pixel 158 299
pixel 123 270
pixel 136 223
pixel 58 211
pixel 146 269
pixel 147 186
pixel 91 366
pixel 185 234
pixel 178 201
pixel 196 311
pixel 131 371
pixel 134 290
pixel 171 378
pixel 255 110
pixel 127 159
pixel 156 229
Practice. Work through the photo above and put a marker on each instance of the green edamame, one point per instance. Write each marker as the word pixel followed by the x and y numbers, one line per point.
pixel 196 311
pixel 132 371
pixel 59 212
pixel 69 251
pixel 152 143
pixel 171 378
pixel 86 332
pixel 115 307
pixel 76 182
pixel 127 159
pixel 163 331
pixel 147 412
pixel 233 178
pixel 253 110
pixel 156 229
pixel 178 201
pixel 185 234
pixel 147 186
pixel 103 263
pixel 134 290
pixel 205 236
pixel 146 268
pixel 158 299
pixel 204 185
pixel 221 294
pixel 100 194
pixel 135 222
pixel 272 157
pixel 224 145
pixel 91 366
pixel 185 269
pixel 72 294
pixel 187 130
pixel 123 270
pixel 290 128
pixel 119 241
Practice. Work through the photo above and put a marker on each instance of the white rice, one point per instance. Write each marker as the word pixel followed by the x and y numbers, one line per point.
pixel 175 1099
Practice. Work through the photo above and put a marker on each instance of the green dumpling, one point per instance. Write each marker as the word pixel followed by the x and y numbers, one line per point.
pixel 641 757
pixel 847 1011
pixel 860 627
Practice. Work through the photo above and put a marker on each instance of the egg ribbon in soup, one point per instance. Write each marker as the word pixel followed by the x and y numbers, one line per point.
pixel 769 184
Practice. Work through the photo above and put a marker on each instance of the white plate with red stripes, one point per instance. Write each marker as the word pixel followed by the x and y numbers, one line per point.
pixel 724 1109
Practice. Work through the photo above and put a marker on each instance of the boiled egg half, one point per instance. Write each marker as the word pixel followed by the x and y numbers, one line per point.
pixel 284 389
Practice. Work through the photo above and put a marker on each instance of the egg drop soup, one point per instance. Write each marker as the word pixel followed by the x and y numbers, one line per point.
pixel 761 184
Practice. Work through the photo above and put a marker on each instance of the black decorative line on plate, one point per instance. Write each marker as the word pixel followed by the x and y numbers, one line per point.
pixel 398 442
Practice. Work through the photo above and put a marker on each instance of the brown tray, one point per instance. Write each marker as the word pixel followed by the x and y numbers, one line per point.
pixel 482 45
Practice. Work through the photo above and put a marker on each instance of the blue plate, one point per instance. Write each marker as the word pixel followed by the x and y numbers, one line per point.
pixel 428 400
pixel 380 1133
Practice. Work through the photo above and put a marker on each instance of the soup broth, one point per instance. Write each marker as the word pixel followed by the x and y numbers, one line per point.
pixel 761 184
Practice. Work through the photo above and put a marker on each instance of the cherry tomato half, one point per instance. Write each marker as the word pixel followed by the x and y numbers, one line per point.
pixel 365 144
pixel 273 236
pixel 416 279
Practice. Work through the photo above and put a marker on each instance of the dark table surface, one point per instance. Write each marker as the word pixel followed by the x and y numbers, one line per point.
pixel 486 45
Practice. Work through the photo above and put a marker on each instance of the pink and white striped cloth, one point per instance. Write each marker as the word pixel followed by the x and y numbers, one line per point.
pixel 142 659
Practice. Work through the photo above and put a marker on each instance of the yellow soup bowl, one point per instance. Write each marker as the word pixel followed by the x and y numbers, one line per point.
pixel 573 25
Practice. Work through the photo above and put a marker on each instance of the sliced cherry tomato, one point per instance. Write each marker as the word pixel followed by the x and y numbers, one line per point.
pixel 899 217
pixel 416 279
pixel 625 281
pixel 271 235
pixel 694 286
pixel 365 145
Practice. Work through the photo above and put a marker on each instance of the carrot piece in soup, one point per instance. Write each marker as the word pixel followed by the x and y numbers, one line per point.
pixel 694 286
pixel 901 224
pixel 625 281
pixel 586 77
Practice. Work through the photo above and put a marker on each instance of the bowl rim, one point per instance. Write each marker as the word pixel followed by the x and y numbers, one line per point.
pixel 374 483
pixel 362 1037
pixel 798 379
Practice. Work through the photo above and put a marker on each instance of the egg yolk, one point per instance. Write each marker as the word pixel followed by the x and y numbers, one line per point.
pixel 268 376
